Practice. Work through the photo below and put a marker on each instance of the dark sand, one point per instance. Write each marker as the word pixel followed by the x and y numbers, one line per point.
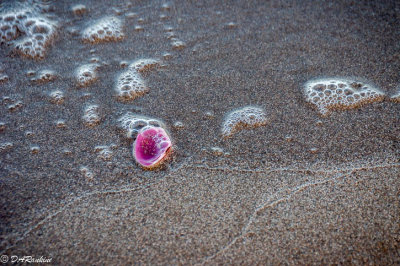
pixel 268 200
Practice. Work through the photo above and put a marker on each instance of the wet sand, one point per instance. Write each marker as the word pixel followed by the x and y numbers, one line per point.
pixel 304 189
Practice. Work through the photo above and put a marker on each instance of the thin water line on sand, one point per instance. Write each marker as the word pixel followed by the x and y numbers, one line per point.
pixel 76 199
pixel 289 169
pixel 183 165
pixel 285 197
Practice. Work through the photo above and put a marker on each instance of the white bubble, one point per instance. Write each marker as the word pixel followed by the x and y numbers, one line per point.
pixel 79 9
pixel 130 124
pixel 246 117
pixel 86 74
pixel 91 116
pixel 86 172
pixel 35 31
pixel 45 76
pixel 103 152
pixel 104 30
pixel 328 94
pixel 130 84
pixel 57 97
pixel 395 97
pixel 3 78
pixel 6 146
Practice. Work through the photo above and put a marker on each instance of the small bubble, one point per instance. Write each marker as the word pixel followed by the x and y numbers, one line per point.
pixel 35 149
pixel 209 115
pixel 231 25
pixel 166 7
pixel 139 28
pixel 217 151
pixel 79 9
pixel 289 138
pixel 85 171
pixel 57 97
pixel 178 125
pixel 91 116
pixel 60 123
pixel 178 45
pixel 30 73
pixel 123 64
pixel 67 152
pixel 131 15
pixel 5 146
pixel 2 126
pixel 3 78
pixel 167 56
pixel 29 134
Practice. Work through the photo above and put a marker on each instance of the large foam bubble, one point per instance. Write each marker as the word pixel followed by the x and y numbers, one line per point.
pixel 335 94
pixel 130 83
pixel 246 117
pixel 104 30
pixel 35 32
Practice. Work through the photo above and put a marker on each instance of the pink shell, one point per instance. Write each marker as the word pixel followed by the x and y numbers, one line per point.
pixel 151 146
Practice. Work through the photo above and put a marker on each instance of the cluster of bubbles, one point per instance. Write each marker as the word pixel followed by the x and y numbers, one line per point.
pixel 44 76
pixel 246 117
pixel 104 30
pixel 331 94
pixel 13 102
pixel 91 116
pixel 37 31
pixel 130 124
pixel 86 74
pixel 130 84
pixel 57 97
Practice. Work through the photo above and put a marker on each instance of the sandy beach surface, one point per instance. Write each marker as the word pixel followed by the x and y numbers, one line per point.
pixel 301 188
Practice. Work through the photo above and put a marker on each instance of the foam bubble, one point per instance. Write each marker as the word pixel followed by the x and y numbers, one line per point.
pixel 91 116
pixel 178 45
pixel 61 123
pixel 85 171
pixel 3 78
pixel 217 151
pixel 6 146
pixel 86 74
pixel 79 9
pixel 57 97
pixel 333 94
pixel 104 30
pixel 35 149
pixel 130 84
pixel 130 124
pixel 246 117
pixel 179 125
pixel 143 65
pixel 103 152
pixel 396 97
pixel 2 126
pixel 36 32
pixel 45 76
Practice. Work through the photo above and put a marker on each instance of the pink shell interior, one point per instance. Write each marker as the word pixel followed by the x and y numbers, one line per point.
pixel 151 146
